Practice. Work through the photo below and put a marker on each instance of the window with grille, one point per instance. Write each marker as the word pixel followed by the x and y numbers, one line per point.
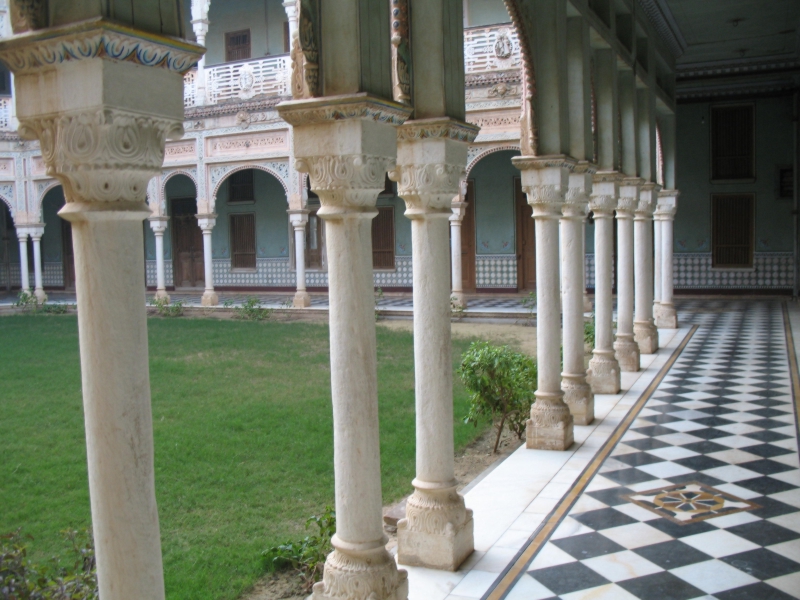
pixel 243 241
pixel 241 187
pixel 383 238
pixel 732 230
pixel 732 142
pixel 237 45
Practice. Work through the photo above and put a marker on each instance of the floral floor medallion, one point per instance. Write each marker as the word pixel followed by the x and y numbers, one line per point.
pixel 690 502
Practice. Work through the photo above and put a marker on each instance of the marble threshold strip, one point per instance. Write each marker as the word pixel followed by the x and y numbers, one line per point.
pixel 525 556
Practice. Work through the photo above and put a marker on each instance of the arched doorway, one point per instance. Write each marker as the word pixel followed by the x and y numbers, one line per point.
pixel 58 258
pixel 6 240
pixel 186 236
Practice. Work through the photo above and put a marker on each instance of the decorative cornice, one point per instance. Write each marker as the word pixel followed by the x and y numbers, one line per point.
pixel 544 162
pixel 336 108
pixel 492 78
pixel 741 66
pixel 97 38
pixel 231 108
pixel 446 128
pixel 660 17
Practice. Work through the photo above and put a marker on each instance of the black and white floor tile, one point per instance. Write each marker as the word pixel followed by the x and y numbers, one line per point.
pixel 701 497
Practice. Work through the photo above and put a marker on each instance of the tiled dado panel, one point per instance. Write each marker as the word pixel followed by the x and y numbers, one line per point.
pixel 771 270
pixel 399 277
pixel 150 272
pixel 53 274
pixel 496 271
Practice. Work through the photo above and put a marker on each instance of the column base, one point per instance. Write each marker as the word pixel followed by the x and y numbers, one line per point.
pixel 361 575
pixel 646 335
pixel 587 303
pixel 437 532
pixel 578 397
pixel 209 298
pixel 667 317
pixel 551 425
pixel 41 297
pixel 162 295
pixel 627 353
pixel 604 373
pixel 301 300
pixel 458 300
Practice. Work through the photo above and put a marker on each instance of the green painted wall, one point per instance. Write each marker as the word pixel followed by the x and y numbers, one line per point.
pixel 402 225
pixel 272 220
pixel 773 124
pixel 486 12
pixel 52 248
pixel 264 19
pixel 494 203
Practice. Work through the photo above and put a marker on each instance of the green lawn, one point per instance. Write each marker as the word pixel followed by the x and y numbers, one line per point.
pixel 243 437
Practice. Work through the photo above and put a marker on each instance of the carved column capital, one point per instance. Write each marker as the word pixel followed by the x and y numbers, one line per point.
pixel 576 202
pixel 628 197
pixel 459 211
pixel 667 205
pixel 298 218
pixel 206 222
pixel 158 224
pixel 545 180
pixel 648 196
pixel 605 194
pixel 345 181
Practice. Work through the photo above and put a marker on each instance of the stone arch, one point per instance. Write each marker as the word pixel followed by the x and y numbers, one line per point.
pixel 9 204
pixel 486 152
pixel 528 121
pixel 171 174
pixel 259 167
pixel 41 193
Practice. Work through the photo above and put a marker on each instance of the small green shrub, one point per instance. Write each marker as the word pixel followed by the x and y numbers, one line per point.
pixel 529 302
pixel 27 302
pixel 457 310
pixel 250 310
pixel 20 580
pixel 306 556
pixel 588 331
pixel 54 309
pixel 501 383
pixel 165 308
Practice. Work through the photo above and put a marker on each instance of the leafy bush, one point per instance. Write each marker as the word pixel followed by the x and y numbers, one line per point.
pixel 529 302
pixel 165 308
pixel 306 556
pixel 588 331
pixel 27 302
pixel 20 580
pixel 457 310
pixel 501 383
pixel 250 310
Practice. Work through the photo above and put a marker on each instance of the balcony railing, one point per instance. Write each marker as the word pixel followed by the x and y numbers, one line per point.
pixel 494 48
pixel 190 89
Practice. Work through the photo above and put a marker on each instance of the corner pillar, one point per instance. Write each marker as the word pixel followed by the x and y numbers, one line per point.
pixel 644 330
pixel 206 223
pixel 545 181
pixel 604 369
pixel 159 226
pixel 667 317
pixel 299 219
pixel 625 348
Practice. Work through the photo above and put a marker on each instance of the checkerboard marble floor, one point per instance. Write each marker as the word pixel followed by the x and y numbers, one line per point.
pixel 701 497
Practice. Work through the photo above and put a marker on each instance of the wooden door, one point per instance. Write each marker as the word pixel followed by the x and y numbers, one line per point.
pixel 526 241
pixel 69 255
pixel 187 244
pixel 314 236
pixel 468 241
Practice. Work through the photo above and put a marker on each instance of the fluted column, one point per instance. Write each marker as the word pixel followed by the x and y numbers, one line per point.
pixel 24 273
pixel 604 369
pixel 431 155
pixel 346 144
pixel 545 181
pixel 459 209
pixel 37 232
pixel 644 330
pixel 159 226
pixel 667 205
pixel 104 145
pixel 206 223
pixel 577 392
pixel 299 219
pixel 625 348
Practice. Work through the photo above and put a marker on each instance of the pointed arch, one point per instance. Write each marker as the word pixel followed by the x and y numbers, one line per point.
pixel 259 167
pixel 486 152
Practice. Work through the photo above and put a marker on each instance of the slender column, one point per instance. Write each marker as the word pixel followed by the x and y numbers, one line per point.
pixel 357 150
pixel 656 265
pixel 577 393
pixel 626 350
pixel 587 303
pixel 459 209
pixel 206 223
pixel 36 235
pixel 104 146
pixel 667 205
pixel 604 370
pixel 545 181
pixel 299 219
pixel 438 529
pixel 200 27
pixel 24 274
pixel 159 226
pixel 644 330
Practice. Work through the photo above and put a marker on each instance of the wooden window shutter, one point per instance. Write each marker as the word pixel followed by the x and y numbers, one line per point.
pixel 732 142
pixel 732 230
pixel 237 45
pixel 383 238
pixel 243 241
pixel 241 187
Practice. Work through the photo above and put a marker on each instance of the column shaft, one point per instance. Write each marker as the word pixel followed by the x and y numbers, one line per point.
pixel 656 266
pixel 644 330
pixel 24 274
pixel 299 218
pixel 457 274
pixel 206 223
pixel 667 316
pixel 159 225
pixel 626 350
pixel 41 297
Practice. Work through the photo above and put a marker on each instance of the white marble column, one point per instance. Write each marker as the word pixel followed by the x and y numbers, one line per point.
pixel 348 181
pixel 644 330
pixel 604 370
pixel 159 226
pixel 577 392
pixel 587 303
pixel 299 219
pixel 200 24
pixel 104 146
pixel 656 265
pixel 37 232
pixel 667 206
pixel 206 224
pixel 459 209
pixel 24 273
pixel 545 181
pixel 625 348
pixel 438 529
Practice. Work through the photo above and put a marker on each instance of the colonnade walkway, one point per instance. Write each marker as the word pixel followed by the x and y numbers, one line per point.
pixel 687 485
